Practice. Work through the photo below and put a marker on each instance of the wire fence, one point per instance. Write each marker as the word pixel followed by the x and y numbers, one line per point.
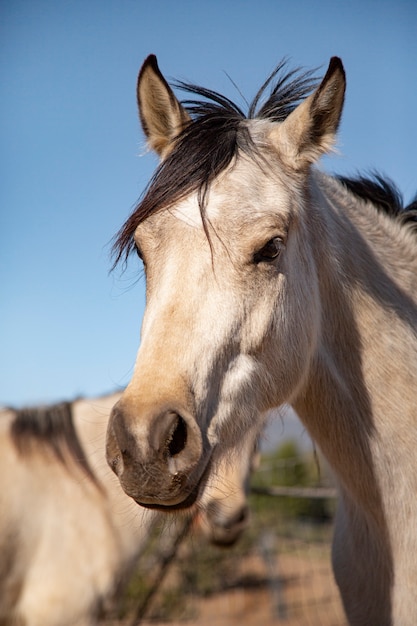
pixel 278 573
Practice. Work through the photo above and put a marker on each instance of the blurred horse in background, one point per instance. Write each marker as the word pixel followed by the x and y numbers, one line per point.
pixel 69 535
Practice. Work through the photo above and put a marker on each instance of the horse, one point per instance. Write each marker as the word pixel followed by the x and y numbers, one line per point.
pixel 269 281
pixel 69 535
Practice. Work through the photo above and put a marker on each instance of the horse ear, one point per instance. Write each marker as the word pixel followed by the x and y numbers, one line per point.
pixel 161 115
pixel 310 130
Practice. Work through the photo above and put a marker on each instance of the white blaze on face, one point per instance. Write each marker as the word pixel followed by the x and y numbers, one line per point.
pixel 188 212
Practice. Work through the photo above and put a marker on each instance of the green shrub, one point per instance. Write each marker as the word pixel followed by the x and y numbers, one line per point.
pixel 287 467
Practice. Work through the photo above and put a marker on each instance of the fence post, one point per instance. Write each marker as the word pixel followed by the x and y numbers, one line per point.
pixel 270 556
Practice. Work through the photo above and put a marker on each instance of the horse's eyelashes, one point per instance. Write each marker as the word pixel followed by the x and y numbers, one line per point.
pixel 270 251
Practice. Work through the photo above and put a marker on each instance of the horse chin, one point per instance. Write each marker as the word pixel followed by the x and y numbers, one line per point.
pixel 189 501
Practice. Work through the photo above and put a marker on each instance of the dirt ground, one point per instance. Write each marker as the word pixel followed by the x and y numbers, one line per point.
pixel 294 590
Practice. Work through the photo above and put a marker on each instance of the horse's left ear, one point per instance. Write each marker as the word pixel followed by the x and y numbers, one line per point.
pixel 310 130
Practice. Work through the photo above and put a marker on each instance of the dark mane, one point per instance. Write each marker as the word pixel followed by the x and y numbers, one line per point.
pixel 384 194
pixel 50 427
pixel 209 143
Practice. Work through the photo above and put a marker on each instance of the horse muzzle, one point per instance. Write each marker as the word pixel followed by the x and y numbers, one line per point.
pixel 158 456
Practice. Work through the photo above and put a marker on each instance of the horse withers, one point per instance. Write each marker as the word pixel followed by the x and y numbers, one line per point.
pixel 267 282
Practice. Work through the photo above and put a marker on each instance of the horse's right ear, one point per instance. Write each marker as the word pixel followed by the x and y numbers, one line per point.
pixel 161 115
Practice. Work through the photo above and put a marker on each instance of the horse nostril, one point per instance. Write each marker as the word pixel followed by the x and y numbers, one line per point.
pixel 177 438
pixel 242 516
pixel 126 456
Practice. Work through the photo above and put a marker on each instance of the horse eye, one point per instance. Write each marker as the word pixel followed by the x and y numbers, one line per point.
pixel 139 252
pixel 270 251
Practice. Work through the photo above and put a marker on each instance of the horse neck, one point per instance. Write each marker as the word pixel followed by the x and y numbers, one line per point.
pixel 357 402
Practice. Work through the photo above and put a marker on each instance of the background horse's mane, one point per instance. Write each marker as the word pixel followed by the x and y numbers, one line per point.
pixel 216 135
pixel 50 427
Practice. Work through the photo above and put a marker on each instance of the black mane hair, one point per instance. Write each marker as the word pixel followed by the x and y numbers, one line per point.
pixel 382 193
pixel 49 427
pixel 209 143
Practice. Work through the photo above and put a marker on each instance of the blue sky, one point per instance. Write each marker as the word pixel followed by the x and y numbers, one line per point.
pixel 73 160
